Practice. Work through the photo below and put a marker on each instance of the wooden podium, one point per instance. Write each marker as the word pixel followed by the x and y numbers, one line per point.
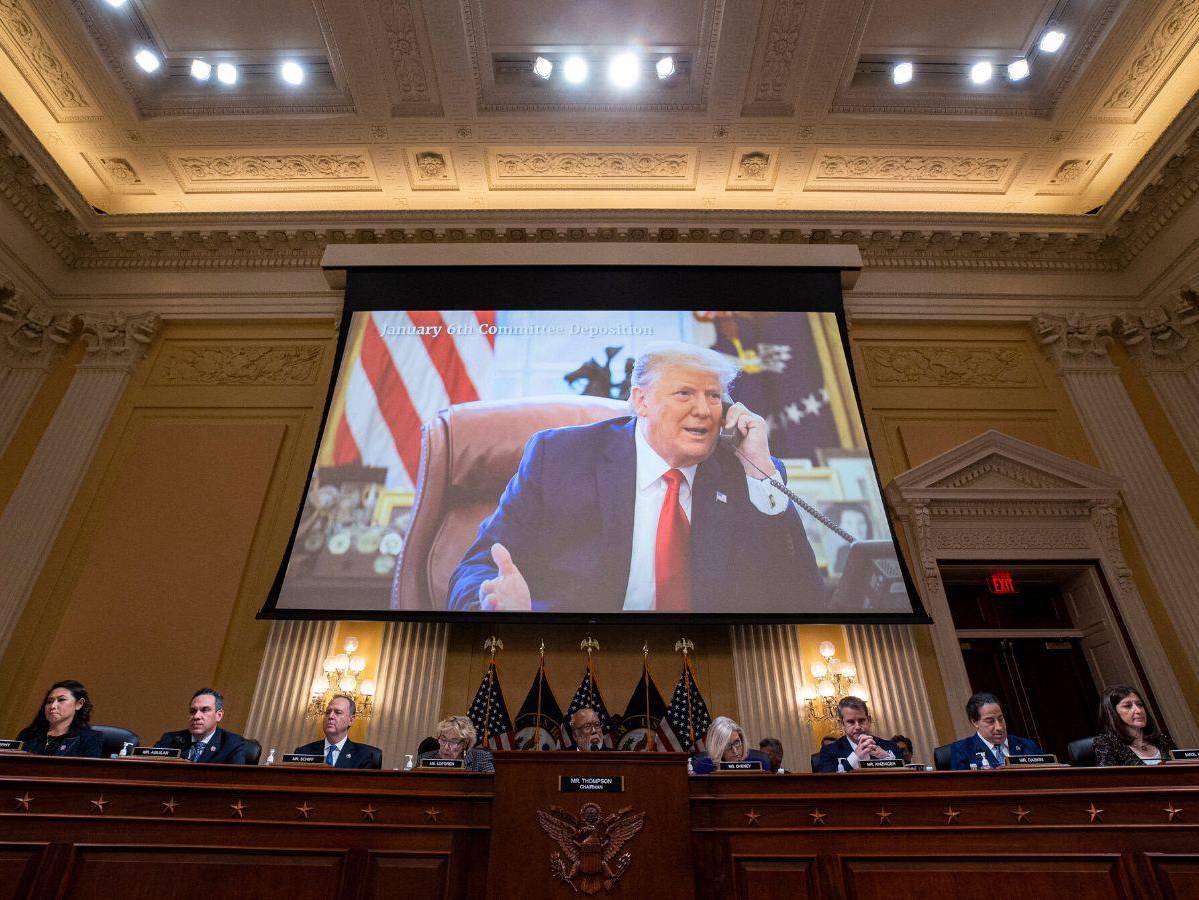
pixel 527 861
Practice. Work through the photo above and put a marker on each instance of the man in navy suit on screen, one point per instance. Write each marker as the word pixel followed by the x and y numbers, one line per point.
pixel 990 745
pixel 646 513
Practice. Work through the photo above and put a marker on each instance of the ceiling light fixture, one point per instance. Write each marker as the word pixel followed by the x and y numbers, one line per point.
pixel 980 73
pixel 1051 41
pixel 624 70
pixel 902 73
pixel 115 4
pixel 1018 70
pixel 665 67
pixel 574 69
pixel 148 60
pixel 542 67
pixel 292 72
pixel 201 70
pixel 226 73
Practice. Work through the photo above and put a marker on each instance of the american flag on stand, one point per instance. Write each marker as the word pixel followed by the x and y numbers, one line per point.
pixel 403 371
pixel 687 715
pixel 489 713
pixel 588 694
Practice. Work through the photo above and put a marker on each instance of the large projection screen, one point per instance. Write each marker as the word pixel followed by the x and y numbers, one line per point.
pixel 572 416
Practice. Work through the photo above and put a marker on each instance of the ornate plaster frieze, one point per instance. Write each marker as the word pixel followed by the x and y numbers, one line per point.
pixel 237 363
pixel 118 174
pixel 1075 342
pixel 412 76
pixel 116 341
pixel 651 168
pixel 943 366
pixel 302 170
pixel 33 336
pixel 44 65
pixel 912 171
pixel 1160 49
pixel 781 44
pixel 753 169
pixel 1158 202
pixel 1073 174
pixel 1164 339
pixel 431 169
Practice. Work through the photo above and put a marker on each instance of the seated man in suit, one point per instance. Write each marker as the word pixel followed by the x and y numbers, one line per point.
pixel 202 741
pixel 336 747
pixel 648 512
pixel 990 745
pixel 857 743
pixel 587 729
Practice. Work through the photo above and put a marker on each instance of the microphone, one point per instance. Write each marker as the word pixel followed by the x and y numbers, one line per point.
pixel 593 745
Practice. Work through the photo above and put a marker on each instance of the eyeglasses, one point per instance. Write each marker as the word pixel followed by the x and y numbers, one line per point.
pixel 589 726
pixel 449 742
pixel 736 743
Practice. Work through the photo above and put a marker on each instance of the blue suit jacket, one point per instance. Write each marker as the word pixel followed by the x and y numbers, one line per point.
pixel 702 764
pixel 842 748
pixel 225 746
pixel 352 756
pixel 965 751
pixel 567 518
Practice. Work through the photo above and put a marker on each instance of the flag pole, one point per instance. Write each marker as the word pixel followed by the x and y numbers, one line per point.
pixel 649 722
pixel 683 645
pixel 540 690
pixel 590 644
pixel 492 643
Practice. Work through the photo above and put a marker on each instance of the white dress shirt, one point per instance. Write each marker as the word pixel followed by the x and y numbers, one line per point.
pixel 990 746
pixel 647 509
pixel 854 761
pixel 336 748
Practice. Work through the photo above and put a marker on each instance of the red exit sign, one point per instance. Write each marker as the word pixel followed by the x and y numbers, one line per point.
pixel 1001 583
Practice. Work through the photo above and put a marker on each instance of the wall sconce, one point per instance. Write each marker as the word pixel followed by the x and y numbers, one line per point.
pixel 342 674
pixel 835 680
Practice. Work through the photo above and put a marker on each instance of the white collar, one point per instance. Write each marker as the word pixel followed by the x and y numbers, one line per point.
pixel 991 746
pixel 203 740
pixel 651 466
pixel 338 745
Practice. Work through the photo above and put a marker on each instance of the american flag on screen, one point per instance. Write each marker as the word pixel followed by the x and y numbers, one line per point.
pixel 489 714
pixel 400 378
pixel 687 715
pixel 588 694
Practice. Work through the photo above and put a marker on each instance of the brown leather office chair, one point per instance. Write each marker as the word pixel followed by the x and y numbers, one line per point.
pixel 469 452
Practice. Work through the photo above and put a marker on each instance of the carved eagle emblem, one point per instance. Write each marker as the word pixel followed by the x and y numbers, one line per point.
pixel 591 854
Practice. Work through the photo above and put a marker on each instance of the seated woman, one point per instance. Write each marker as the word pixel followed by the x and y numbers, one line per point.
pixel 456 740
pixel 726 743
pixel 1129 736
pixel 61 727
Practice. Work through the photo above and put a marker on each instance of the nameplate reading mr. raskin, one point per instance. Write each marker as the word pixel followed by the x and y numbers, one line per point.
pixel 604 784
pixel 156 752
pixel 882 764
pixel 745 765
pixel 1033 759
pixel 307 759
pixel 437 763
pixel 1187 754
pixel 11 745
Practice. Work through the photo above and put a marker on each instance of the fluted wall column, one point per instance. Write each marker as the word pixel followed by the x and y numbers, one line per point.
pixel 30 522
pixel 294 653
pixel 409 688
pixel 769 671
pixel 889 667
pixel 1165 344
pixel 31 340
pixel 1167 535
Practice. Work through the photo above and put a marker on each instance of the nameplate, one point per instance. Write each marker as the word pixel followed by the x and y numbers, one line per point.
pixel 1032 759
pixel 882 764
pixel 603 784
pixel 157 752
pixel 12 746
pixel 1187 754
pixel 303 758
pixel 746 765
pixel 437 763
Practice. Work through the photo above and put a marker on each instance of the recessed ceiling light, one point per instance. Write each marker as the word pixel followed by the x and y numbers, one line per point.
pixel 201 70
pixel 574 69
pixel 292 72
pixel 980 73
pixel 1051 41
pixel 115 4
pixel 902 73
pixel 148 60
pixel 226 73
pixel 665 67
pixel 542 67
pixel 624 70
pixel 1018 70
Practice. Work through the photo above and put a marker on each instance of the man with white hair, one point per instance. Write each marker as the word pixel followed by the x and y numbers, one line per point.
pixel 648 512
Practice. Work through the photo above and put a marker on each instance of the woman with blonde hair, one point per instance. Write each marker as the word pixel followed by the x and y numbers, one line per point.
pixel 456 738
pixel 726 743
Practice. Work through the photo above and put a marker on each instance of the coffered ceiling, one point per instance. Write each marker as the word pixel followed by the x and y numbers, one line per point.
pixel 777 107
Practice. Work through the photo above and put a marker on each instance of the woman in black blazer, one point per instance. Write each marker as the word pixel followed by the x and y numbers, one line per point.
pixel 61 727
pixel 1129 736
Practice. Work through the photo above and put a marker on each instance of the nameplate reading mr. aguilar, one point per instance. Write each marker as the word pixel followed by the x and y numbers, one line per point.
pixel 1032 759
pixel 437 763
pixel 305 758
pixel 604 784
pixel 156 752
pixel 11 745
pixel 745 765
pixel 882 764
pixel 1188 754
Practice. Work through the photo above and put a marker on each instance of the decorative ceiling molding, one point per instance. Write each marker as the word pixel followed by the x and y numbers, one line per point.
pixel 1167 42
pixel 44 65
pixel 540 168
pixel 913 170
pixel 329 169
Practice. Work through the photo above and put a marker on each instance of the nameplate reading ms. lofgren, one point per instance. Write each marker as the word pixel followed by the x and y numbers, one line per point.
pixel 1032 759
pixel 438 763
pixel 305 758
pixel 156 752
pixel 1188 754
pixel 745 765
pixel 11 745
pixel 604 784
pixel 882 764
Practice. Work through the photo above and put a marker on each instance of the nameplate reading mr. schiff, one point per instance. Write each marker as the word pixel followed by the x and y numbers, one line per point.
pixel 1033 759
pixel 882 764
pixel 1183 754
pixel 11 745
pixel 436 763
pixel 604 784
pixel 306 759
pixel 156 752
pixel 745 765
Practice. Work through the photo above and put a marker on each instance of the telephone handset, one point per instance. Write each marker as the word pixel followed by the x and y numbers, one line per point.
pixel 730 438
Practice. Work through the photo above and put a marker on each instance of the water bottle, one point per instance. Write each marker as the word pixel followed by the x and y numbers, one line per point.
pixel 690 767
pixel 270 757
pixel 408 762
pixel 973 767
pixel 841 767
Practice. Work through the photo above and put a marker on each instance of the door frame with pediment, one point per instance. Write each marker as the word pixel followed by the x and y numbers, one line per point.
pixel 999 498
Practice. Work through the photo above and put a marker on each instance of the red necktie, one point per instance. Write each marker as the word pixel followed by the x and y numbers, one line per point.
pixel 672 553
